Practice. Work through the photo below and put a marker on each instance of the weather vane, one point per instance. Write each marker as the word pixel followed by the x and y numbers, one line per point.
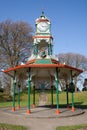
pixel 42 11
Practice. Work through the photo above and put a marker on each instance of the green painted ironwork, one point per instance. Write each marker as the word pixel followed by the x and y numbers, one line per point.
pixel 72 99
pixel 19 94
pixel 29 89
pixel 67 96
pixel 48 49
pixel 51 49
pixel 36 49
pixel 34 95
pixel 51 95
pixel 14 87
pixel 57 89
pixel 72 91
pixel 35 52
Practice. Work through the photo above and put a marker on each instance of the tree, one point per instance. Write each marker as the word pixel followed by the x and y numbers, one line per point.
pixel 15 43
pixel 75 60
pixel 85 85
pixel 1 89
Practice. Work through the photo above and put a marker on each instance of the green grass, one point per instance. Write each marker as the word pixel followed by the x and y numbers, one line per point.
pixel 80 99
pixel 11 127
pixel 76 127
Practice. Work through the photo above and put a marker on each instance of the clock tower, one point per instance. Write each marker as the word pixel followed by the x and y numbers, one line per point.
pixel 43 40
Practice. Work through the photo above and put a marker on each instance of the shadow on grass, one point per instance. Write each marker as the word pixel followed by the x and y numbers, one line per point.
pixel 77 105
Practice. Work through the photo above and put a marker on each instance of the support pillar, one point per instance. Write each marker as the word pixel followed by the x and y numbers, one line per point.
pixel 48 49
pixel 57 92
pixel 67 95
pixel 52 96
pixel 18 95
pixel 73 108
pixel 51 49
pixel 33 97
pixel 28 110
pixel 14 87
pixel 36 49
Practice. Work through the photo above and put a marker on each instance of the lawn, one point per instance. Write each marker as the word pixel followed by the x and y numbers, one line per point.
pixel 76 127
pixel 15 127
pixel 11 127
pixel 80 99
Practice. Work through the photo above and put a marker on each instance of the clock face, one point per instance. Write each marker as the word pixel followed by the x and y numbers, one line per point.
pixel 43 26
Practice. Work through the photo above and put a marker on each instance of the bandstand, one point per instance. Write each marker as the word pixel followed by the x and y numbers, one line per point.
pixel 43 66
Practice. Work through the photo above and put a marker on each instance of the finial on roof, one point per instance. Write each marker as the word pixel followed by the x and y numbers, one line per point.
pixel 42 13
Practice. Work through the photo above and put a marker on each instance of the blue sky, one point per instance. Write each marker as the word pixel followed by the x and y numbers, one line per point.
pixel 68 18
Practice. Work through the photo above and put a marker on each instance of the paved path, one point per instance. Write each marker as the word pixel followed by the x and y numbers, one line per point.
pixel 41 123
pixel 42 99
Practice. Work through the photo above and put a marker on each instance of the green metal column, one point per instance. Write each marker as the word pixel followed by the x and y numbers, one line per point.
pixel 19 95
pixel 36 49
pixel 73 109
pixel 28 110
pixel 67 96
pixel 51 49
pixel 57 92
pixel 52 96
pixel 48 49
pixel 33 96
pixel 14 87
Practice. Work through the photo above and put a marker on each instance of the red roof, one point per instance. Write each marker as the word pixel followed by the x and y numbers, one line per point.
pixel 42 66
